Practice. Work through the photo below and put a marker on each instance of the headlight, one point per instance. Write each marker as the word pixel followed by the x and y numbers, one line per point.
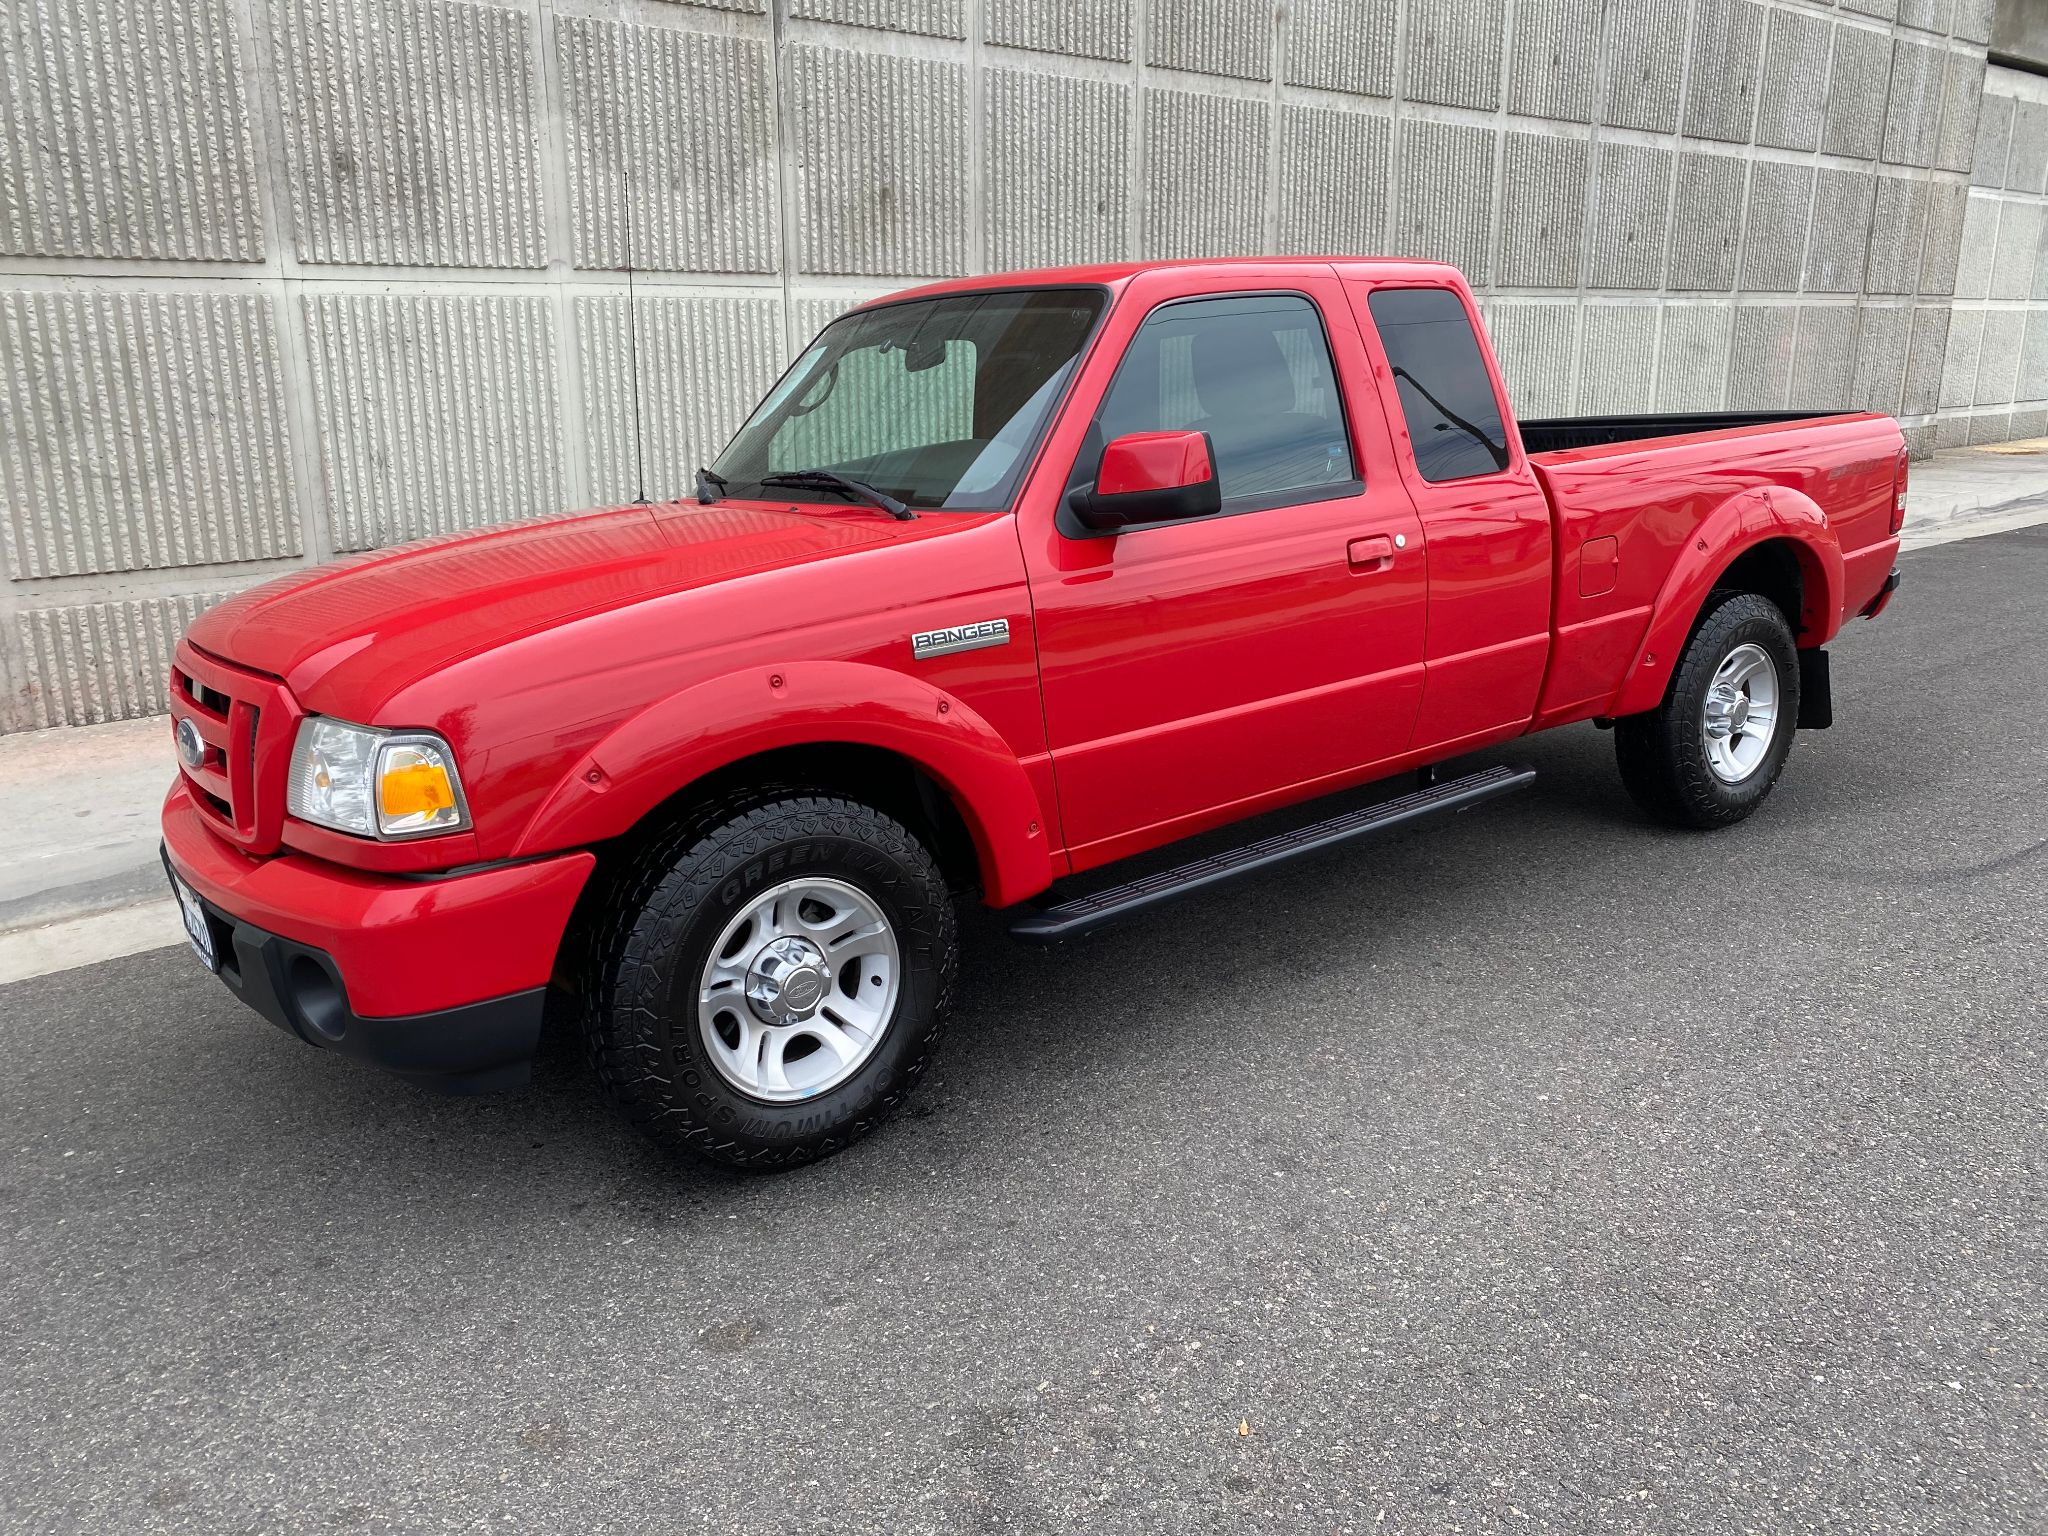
pixel 374 783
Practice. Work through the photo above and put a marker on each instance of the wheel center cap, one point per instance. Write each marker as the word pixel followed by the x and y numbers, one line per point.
pixel 1738 716
pixel 787 980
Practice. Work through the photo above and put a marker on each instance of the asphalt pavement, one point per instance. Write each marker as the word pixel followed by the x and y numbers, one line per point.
pixel 1541 1171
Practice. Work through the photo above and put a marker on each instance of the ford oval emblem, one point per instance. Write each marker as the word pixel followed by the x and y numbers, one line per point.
pixel 191 749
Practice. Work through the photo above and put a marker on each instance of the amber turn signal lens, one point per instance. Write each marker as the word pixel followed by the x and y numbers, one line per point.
pixel 417 789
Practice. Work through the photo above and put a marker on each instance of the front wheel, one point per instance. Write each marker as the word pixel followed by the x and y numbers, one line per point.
pixel 772 979
pixel 1708 755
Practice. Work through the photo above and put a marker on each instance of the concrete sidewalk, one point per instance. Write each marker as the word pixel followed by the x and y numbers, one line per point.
pixel 82 881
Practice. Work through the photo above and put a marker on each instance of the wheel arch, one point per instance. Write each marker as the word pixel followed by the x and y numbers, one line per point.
pixel 1771 541
pixel 843 728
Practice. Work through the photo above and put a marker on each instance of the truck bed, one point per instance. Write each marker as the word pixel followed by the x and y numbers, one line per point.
pixel 1554 434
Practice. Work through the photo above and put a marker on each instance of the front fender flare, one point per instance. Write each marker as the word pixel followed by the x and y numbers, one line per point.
pixel 1745 520
pixel 677 741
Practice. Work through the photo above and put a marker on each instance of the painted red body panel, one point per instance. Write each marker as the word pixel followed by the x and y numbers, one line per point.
pixel 1153 461
pixel 1157 682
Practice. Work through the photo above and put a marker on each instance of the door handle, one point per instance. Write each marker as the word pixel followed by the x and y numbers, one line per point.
pixel 1374 553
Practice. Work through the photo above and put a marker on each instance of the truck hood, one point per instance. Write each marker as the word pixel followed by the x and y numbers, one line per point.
pixel 368 625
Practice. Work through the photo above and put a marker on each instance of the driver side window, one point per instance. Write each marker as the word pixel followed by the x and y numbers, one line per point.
pixel 1254 372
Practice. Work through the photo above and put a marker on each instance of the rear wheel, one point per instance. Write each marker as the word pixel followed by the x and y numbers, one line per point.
pixel 771 979
pixel 1708 755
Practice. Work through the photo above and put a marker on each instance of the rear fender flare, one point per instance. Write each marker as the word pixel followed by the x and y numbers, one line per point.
pixel 672 744
pixel 1745 520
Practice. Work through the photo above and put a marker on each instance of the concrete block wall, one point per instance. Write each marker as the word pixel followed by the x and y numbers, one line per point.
pixel 1994 384
pixel 286 278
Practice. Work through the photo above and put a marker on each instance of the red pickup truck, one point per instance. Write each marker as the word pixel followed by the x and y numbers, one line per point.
pixel 1008 578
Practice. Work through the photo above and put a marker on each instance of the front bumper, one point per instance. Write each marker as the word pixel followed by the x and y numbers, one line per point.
pixel 438 979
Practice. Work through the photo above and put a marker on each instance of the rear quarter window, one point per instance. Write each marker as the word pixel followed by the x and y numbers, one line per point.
pixel 1447 399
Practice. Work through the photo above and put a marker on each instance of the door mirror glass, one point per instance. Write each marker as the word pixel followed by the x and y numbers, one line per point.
pixel 1151 477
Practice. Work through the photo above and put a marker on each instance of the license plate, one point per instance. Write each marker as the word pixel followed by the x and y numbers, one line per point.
pixel 197 929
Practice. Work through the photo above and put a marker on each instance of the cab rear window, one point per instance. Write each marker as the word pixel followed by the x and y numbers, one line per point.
pixel 1454 417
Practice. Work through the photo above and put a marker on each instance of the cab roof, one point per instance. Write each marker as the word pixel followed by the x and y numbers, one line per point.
pixel 1117 274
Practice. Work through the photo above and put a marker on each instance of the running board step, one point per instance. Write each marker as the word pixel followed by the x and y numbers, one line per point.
pixel 1084 914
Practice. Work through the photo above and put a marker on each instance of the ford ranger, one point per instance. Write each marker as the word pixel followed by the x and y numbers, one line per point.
pixel 1008 578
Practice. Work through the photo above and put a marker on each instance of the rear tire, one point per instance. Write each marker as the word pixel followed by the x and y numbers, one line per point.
pixel 1700 759
pixel 771 978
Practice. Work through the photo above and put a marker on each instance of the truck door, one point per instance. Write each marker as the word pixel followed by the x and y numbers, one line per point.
pixel 1485 523
pixel 1192 670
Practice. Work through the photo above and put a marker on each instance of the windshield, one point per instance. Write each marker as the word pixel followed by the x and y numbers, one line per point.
pixel 938 402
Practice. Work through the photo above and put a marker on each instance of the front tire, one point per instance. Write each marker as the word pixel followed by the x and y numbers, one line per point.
pixel 1710 753
pixel 771 979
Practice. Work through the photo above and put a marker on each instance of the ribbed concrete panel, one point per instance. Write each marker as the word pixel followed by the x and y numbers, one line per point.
pixel 1956 138
pixel 1959 364
pixel 1342 45
pixel 1779 198
pixel 437 413
pixel 1692 362
pixel 1205 174
pixel 1877 10
pixel 94 662
pixel 410 132
pixel 1091 29
pixel 1946 202
pixel 1454 52
pixel 1543 213
pixel 1760 356
pixel 752 7
pixel 1841 231
pixel 1882 338
pixel 1973 19
pixel 1912 108
pixel 1898 220
pixel 1647 42
pixel 1631 205
pixel 1438 217
pixel 1554 66
pixel 1928 15
pixel 1720 102
pixel 2028 424
pixel 881 159
pixel 1861 58
pixel 1534 343
pixel 2019 243
pixel 1334 166
pixel 124 132
pixel 1620 355
pixel 142 430
pixel 1994 142
pixel 701 364
pixel 2032 383
pixel 667 135
pixel 1212 37
pixel 1924 359
pixel 1824 359
pixel 2026 168
pixel 933 18
pixel 1998 356
pixel 1057 185
pixel 1706 222
pixel 1792 105
pixel 1979 247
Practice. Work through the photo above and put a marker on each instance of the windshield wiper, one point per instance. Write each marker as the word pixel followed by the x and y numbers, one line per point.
pixel 832 480
pixel 709 486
